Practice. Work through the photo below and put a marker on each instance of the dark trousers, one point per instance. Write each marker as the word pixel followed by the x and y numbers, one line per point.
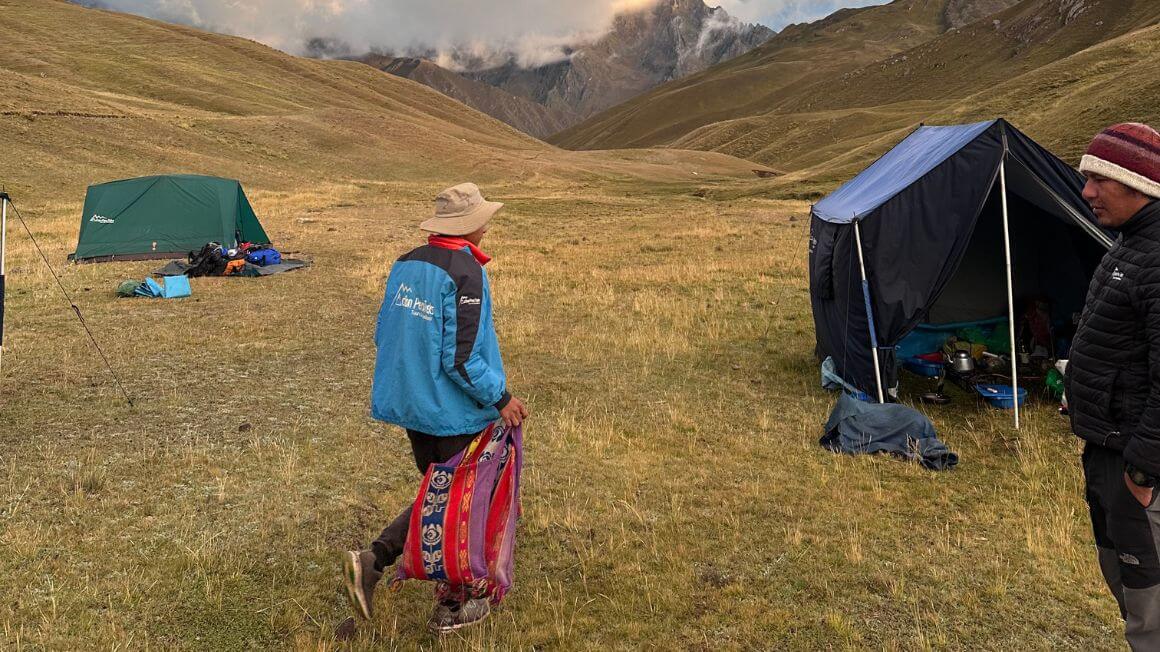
pixel 428 450
pixel 1127 543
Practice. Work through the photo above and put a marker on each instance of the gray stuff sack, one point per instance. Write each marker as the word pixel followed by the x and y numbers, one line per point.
pixel 858 428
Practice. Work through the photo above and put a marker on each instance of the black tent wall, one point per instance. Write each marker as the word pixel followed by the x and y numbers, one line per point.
pixel 1052 260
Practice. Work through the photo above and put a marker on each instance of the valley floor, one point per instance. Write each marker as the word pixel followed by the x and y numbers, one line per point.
pixel 675 496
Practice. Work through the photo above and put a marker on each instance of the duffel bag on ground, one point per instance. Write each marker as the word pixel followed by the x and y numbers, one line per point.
pixel 263 257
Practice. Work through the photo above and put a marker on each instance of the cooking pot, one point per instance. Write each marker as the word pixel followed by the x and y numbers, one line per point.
pixel 962 362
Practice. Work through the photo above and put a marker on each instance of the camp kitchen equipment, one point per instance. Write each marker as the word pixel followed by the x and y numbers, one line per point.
pixel 962 362
pixel 993 361
pixel 921 366
pixel 1000 396
pixel 935 398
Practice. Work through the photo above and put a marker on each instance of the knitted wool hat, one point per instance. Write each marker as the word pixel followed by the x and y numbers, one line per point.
pixel 1129 153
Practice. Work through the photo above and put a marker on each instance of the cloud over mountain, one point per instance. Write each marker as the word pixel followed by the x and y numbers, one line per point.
pixel 536 32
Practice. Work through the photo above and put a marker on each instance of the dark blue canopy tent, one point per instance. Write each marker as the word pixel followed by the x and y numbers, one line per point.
pixel 951 225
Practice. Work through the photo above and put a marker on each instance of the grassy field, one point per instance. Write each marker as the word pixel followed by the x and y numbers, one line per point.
pixel 675 496
pixel 652 307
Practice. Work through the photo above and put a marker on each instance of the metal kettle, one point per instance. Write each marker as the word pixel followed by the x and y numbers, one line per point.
pixel 962 362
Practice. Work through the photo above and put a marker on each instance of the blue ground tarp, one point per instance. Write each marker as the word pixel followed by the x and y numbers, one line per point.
pixel 176 287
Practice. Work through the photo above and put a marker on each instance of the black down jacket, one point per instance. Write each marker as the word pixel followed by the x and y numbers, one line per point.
pixel 1113 378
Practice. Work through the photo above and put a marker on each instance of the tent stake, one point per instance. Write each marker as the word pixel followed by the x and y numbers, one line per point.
pixel 869 313
pixel 1010 289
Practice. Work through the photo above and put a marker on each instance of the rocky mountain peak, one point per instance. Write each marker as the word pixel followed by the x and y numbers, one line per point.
pixel 643 49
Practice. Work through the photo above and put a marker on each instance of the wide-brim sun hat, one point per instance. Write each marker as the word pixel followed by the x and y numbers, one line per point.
pixel 460 210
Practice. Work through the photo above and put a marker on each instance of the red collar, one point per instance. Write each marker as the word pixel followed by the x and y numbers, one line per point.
pixel 452 242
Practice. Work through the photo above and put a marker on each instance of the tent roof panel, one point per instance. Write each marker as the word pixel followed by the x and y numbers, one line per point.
pixel 177 179
pixel 922 151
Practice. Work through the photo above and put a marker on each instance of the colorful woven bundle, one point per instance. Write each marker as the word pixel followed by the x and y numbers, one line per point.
pixel 463 524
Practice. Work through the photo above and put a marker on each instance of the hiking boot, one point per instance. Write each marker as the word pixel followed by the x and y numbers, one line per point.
pixel 451 615
pixel 359 578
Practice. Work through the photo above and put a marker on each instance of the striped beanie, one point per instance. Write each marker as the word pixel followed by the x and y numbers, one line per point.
pixel 1129 153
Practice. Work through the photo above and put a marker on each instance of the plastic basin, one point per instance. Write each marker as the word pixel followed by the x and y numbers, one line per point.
pixel 921 367
pixel 1001 396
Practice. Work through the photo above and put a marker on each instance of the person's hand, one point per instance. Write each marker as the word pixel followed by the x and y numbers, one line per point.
pixel 1143 495
pixel 514 413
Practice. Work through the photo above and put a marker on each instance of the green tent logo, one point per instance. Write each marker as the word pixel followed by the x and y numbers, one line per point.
pixel 101 219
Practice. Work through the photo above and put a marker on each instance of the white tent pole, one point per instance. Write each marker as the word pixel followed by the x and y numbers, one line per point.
pixel 1010 289
pixel 869 317
pixel 3 254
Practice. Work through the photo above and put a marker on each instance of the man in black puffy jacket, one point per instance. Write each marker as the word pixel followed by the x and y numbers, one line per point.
pixel 1113 378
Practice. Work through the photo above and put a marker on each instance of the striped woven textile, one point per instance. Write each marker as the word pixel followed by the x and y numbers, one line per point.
pixel 463 525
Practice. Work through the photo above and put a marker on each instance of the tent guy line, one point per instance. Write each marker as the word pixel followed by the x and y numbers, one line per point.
pixel 3 251
pixel 7 201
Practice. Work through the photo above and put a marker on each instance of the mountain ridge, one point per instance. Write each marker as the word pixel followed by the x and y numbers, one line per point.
pixel 799 55
pixel 670 40
pixel 833 120
pixel 529 117
pixel 643 48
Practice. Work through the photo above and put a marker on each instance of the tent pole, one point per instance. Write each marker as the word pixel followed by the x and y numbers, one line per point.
pixel 3 254
pixel 869 314
pixel 1010 289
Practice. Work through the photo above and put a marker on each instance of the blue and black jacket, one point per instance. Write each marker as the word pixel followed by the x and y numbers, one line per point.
pixel 438 368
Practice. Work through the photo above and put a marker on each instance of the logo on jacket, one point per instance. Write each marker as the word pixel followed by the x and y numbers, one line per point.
pixel 101 219
pixel 418 307
pixel 1117 275
pixel 469 301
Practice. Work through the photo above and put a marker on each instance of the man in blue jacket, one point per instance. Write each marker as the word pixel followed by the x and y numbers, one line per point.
pixel 438 372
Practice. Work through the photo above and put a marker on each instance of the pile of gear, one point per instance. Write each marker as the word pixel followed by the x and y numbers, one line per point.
pixel 247 260
pixel 215 260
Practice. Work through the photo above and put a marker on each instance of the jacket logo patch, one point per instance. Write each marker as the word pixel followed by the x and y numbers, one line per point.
pixel 417 306
pixel 1117 275
pixel 1131 560
pixel 469 301
pixel 101 219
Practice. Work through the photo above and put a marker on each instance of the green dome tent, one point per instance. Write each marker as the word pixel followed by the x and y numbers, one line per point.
pixel 163 217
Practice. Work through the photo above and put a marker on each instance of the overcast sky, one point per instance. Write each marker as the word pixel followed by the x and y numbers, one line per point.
pixel 779 13
pixel 534 28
